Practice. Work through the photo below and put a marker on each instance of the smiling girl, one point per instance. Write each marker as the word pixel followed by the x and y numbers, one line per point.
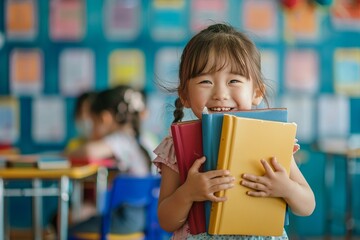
pixel 220 70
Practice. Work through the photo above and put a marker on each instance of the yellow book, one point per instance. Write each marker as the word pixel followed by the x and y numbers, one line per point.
pixel 243 143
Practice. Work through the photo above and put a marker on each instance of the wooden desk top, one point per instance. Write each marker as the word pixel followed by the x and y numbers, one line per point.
pixel 77 172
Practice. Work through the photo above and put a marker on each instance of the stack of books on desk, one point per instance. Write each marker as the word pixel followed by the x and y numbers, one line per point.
pixel 21 161
pixel 53 162
pixel 41 161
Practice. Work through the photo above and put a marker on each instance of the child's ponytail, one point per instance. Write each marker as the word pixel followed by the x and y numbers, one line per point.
pixel 178 112
pixel 136 125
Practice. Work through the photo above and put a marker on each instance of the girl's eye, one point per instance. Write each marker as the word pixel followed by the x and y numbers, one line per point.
pixel 205 82
pixel 234 81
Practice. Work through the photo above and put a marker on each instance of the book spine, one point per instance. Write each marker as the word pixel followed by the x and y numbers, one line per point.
pixel 225 143
pixel 206 136
pixel 177 138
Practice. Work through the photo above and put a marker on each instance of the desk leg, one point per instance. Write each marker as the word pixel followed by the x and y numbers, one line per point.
pixel 349 221
pixel 76 198
pixel 64 207
pixel 2 218
pixel 101 188
pixel 37 212
pixel 329 183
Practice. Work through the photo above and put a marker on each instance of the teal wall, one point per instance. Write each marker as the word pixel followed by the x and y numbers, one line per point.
pixel 314 162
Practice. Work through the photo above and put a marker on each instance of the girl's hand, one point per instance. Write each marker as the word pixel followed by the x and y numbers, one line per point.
pixel 201 186
pixel 274 183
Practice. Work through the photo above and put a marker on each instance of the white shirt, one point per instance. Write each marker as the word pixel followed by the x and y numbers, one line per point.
pixel 128 153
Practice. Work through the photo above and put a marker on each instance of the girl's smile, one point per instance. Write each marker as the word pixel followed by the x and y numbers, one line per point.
pixel 221 91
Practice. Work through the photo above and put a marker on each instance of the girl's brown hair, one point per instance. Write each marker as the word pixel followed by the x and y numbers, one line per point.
pixel 227 47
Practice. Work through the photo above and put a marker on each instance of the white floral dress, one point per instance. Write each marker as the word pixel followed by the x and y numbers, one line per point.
pixel 166 155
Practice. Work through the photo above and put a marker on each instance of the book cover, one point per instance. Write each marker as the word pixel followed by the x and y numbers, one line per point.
pixel 21 161
pixel 212 124
pixel 53 162
pixel 106 162
pixel 187 137
pixel 243 143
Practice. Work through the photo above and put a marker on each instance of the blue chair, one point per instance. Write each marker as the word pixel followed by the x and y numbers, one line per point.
pixel 144 191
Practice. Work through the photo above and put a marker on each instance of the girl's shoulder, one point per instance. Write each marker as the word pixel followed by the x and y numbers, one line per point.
pixel 165 154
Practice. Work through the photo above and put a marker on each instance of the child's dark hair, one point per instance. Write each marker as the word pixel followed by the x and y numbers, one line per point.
pixel 81 99
pixel 230 48
pixel 125 104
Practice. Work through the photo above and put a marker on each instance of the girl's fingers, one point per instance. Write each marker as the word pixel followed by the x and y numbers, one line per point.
pixel 253 185
pixel 257 194
pixel 217 173
pixel 220 187
pixel 254 178
pixel 214 198
pixel 221 180
pixel 267 167
pixel 277 166
pixel 197 164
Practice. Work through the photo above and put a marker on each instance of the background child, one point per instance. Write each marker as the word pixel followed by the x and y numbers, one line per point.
pixel 116 129
pixel 83 122
pixel 220 70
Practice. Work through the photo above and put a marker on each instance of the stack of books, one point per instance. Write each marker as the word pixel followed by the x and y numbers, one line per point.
pixel 53 162
pixel 236 141
pixel 41 161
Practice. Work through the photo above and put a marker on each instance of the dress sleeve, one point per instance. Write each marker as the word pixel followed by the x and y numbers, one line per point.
pixel 296 146
pixel 165 154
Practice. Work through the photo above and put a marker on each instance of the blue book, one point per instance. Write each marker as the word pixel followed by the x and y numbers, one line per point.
pixel 211 134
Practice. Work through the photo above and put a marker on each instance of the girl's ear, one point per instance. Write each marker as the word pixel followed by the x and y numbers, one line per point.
pixel 106 118
pixel 184 101
pixel 258 96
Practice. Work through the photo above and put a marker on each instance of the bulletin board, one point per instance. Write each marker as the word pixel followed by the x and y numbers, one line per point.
pixel 310 60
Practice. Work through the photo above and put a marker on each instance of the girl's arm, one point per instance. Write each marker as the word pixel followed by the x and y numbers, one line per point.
pixel 176 200
pixel 276 183
pixel 94 149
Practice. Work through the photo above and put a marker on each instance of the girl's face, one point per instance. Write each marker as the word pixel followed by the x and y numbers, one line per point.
pixel 221 91
pixel 102 125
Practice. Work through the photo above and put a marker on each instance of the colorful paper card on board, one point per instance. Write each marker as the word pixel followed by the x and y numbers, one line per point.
pixel 207 12
pixel 302 22
pixel 167 62
pixel 48 119
pixel 301 109
pixel 347 71
pixel 302 71
pixel 345 15
pixel 67 20
pixel 333 116
pixel 21 19
pixel 9 120
pixel 168 20
pixel 260 18
pixel 270 70
pixel 26 71
pixel 122 19
pixel 76 71
pixel 127 67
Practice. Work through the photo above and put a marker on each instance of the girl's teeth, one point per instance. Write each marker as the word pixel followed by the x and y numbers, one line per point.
pixel 220 109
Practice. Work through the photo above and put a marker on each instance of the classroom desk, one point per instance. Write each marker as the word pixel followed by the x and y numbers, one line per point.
pixel 77 174
pixel 350 156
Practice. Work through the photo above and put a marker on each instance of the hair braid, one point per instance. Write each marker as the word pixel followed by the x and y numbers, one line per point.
pixel 178 112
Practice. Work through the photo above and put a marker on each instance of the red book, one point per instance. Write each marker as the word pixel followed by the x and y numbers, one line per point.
pixel 187 137
pixel 108 163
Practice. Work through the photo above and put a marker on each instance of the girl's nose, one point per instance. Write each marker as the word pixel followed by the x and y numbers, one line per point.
pixel 220 93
